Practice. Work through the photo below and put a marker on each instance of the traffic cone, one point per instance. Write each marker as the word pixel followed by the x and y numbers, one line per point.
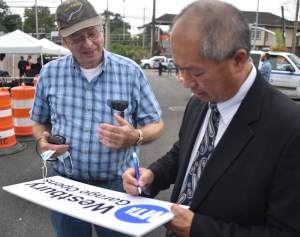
pixel 22 102
pixel 8 142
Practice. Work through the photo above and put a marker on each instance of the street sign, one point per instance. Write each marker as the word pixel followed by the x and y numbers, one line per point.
pixel 118 211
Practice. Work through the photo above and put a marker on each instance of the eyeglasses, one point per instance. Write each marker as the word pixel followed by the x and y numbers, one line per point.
pixel 91 33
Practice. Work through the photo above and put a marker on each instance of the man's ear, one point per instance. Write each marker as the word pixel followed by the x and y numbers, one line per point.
pixel 64 42
pixel 240 59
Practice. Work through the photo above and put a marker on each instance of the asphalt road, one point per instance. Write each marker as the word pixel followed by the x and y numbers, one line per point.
pixel 20 218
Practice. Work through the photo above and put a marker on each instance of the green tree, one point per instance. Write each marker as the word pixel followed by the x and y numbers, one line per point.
pixel 280 43
pixel 46 20
pixel 4 11
pixel 134 52
pixel 117 25
pixel 125 45
pixel 12 22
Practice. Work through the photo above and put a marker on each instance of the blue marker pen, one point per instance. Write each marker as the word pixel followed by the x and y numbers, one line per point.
pixel 136 169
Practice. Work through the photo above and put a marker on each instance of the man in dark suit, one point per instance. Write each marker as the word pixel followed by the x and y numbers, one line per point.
pixel 236 163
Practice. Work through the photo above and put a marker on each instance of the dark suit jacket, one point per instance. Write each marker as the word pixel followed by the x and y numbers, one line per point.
pixel 251 184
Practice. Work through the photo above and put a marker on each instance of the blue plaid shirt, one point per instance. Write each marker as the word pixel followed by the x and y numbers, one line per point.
pixel 76 107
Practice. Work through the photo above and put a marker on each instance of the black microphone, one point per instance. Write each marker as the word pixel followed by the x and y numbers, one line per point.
pixel 57 139
pixel 118 105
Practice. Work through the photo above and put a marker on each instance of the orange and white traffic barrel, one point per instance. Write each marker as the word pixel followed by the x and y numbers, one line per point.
pixel 8 142
pixel 7 132
pixel 22 102
pixel 4 88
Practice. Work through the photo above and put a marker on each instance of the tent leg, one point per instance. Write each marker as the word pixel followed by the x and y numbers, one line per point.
pixel 42 60
pixel 13 63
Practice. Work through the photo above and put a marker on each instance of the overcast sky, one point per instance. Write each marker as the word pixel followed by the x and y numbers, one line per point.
pixel 134 9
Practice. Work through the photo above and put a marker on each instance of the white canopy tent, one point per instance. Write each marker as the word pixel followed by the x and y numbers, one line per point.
pixel 60 50
pixel 18 42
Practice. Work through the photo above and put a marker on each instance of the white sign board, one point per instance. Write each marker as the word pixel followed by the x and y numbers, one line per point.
pixel 118 211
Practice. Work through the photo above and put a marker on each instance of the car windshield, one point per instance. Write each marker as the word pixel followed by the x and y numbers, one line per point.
pixel 295 59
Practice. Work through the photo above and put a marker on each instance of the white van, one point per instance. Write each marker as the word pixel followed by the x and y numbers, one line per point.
pixel 285 74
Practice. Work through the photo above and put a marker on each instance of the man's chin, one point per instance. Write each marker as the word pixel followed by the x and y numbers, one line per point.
pixel 92 54
pixel 201 96
pixel 90 61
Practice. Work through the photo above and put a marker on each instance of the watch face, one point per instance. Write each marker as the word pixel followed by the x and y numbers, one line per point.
pixel 140 139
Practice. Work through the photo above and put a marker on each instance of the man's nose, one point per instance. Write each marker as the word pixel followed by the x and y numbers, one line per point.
pixel 185 79
pixel 87 41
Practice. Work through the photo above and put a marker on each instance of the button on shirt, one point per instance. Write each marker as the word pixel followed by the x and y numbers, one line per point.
pixel 76 107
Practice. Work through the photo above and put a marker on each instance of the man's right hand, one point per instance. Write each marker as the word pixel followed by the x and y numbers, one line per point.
pixel 45 145
pixel 130 183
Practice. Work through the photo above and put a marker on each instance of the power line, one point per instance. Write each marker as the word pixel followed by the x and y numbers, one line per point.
pixel 30 6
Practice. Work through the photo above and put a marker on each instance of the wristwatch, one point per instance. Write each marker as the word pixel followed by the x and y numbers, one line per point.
pixel 140 138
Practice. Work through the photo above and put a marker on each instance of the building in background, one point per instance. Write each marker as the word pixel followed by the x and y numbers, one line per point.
pixel 270 27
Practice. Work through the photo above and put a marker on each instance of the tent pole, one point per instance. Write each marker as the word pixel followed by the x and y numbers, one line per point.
pixel 42 60
pixel 13 63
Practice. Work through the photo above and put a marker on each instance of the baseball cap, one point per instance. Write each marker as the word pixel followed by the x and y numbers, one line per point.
pixel 75 15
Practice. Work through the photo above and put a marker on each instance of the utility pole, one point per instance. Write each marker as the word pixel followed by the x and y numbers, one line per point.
pixel 153 30
pixel 256 25
pixel 283 25
pixel 294 41
pixel 107 28
pixel 123 21
pixel 107 32
pixel 144 32
pixel 36 21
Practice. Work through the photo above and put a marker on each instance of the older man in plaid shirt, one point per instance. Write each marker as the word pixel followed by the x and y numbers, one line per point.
pixel 73 99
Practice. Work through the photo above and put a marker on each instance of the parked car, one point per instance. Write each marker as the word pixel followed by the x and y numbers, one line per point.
pixel 152 62
pixel 285 74
pixel 165 64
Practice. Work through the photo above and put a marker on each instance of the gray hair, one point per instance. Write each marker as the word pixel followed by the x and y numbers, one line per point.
pixel 223 28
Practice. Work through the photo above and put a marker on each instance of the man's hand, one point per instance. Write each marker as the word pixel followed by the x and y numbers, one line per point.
pixel 117 137
pixel 181 223
pixel 130 183
pixel 45 145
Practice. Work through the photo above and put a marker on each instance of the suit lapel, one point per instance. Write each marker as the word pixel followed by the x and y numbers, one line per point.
pixel 235 138
pixel 193 124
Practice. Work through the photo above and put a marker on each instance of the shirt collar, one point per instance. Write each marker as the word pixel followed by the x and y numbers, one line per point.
pixel 105 59
pixel 103 63
pixel 229 107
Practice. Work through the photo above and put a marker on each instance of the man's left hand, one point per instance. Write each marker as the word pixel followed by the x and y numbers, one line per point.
pixel 181 223
pixel 116 137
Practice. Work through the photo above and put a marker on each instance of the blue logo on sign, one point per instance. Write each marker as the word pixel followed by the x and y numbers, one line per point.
pixel 140 213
